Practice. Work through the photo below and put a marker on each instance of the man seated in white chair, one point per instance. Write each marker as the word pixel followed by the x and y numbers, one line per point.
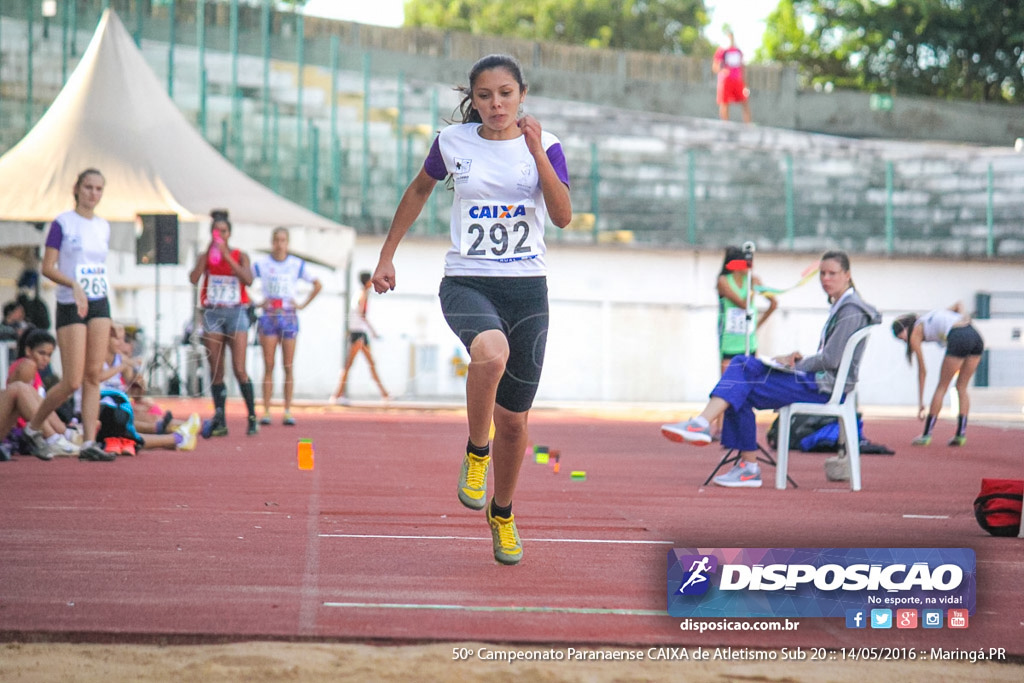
pixel 749 383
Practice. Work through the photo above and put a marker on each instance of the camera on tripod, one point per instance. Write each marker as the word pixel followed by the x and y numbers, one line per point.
pixel 748 253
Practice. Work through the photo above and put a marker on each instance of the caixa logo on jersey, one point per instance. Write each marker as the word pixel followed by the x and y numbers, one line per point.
pixel 816 582
pixel 497 211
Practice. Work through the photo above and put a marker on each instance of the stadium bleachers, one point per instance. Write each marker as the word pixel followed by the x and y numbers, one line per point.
pixel 638 177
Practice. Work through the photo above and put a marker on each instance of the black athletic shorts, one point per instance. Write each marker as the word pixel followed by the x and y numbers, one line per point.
pixel 354 337
pixel 964 341
pixel 518 306
pixel 67 314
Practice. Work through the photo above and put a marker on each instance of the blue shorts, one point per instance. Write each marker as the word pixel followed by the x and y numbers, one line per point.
pixel 228 320
pixel 279 323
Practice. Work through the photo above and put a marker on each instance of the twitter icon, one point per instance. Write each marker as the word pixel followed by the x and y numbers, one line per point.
pixel 881 618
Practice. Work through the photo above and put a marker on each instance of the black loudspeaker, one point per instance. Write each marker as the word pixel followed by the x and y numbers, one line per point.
pixel 158 241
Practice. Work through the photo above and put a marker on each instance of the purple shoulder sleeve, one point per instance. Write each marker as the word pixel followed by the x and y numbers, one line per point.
pixel 434 163
pixel 56 235
pixel 557 158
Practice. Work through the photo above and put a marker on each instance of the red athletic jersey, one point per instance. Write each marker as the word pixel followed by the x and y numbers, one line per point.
pixel 219 283
pixel 731 85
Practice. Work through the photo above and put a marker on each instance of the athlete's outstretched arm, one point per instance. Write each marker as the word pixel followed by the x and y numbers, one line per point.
pixel 413 201
pixel 915 339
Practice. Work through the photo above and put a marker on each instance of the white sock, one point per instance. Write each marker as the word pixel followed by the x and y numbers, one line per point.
pixel 52 439
pixel 701 421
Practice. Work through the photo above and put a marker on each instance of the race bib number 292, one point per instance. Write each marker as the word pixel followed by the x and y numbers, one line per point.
pixel 499 231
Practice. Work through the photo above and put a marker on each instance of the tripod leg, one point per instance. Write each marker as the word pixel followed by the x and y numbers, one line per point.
pixel 730 457
pixel 767 458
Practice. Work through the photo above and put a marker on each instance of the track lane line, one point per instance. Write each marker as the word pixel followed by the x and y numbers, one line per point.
pixel 397 537
pixel 495 608
pixel 310 577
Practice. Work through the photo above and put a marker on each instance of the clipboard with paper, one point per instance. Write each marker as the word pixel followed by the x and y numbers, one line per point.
pixel 776 365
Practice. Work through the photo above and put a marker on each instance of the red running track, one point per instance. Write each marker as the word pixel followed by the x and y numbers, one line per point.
pixel 233 541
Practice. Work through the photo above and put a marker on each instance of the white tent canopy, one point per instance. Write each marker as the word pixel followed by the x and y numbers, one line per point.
pixel 114 115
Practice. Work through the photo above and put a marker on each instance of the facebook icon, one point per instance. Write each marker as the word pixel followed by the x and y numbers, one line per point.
pixel 856 618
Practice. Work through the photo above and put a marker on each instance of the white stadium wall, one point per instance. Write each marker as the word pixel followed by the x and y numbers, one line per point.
pixel 627 324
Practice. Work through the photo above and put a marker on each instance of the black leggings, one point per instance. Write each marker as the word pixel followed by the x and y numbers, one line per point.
pixel 518 306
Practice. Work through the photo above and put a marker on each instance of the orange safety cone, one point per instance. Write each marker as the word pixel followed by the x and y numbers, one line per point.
pixel 305 452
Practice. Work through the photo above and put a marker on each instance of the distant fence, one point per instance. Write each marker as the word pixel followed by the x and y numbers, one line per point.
pixel 334 123
pixel 257 16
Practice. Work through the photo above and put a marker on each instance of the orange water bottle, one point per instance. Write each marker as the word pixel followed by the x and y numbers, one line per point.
pixel 305 454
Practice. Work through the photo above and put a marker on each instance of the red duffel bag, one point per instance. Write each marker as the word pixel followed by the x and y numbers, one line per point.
pixel 997 507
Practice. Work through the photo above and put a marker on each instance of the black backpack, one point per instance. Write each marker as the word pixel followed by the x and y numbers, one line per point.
pixel 802 426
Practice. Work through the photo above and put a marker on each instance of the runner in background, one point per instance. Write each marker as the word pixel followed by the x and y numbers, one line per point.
pixel 225 274
pixel 732 86
pixel 952 329
pixel 359 331
pixel 75 259
pixel 279 274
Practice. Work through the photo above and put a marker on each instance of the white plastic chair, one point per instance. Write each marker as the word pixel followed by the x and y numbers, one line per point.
pixel 846 411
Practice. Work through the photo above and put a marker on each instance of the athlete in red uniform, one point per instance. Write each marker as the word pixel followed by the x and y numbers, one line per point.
pixel 225 273
pixel 728 64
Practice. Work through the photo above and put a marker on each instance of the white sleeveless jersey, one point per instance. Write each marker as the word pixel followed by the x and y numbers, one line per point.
pixel 279 279
pixel 82 244
pixel 498 214
pixel 356 314
pixel 937 324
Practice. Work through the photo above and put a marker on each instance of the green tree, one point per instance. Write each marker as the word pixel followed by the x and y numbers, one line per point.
pixel 962 49
pixel 669 26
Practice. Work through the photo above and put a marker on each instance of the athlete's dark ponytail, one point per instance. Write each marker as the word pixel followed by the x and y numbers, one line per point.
pixel 905 322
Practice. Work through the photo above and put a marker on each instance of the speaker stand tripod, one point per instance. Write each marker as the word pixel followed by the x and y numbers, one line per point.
pixel 160 363
pixel 161 358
